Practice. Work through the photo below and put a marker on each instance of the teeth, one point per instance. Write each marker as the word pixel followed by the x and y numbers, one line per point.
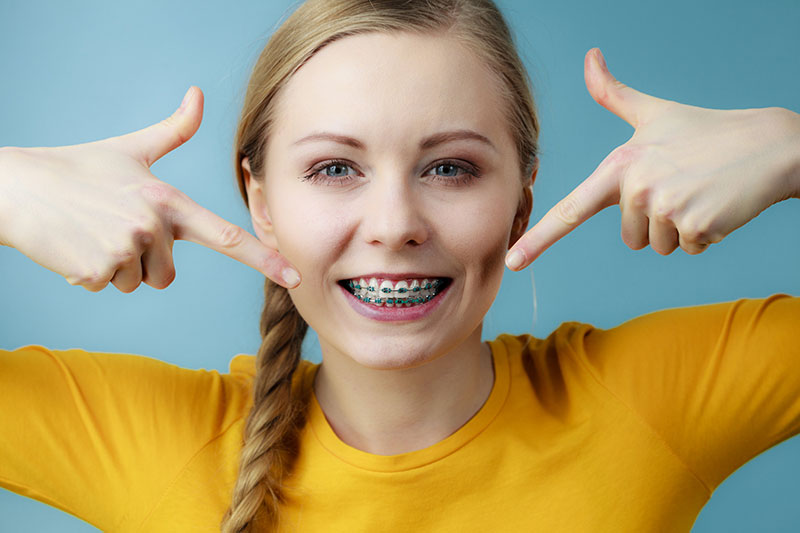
pixel 395 294
pixel 385 292
pixel 402 291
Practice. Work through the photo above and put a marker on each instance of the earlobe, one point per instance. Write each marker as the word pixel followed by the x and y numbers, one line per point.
pixel 257 203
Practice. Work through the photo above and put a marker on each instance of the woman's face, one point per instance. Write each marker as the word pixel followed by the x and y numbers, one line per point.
pixel 390 159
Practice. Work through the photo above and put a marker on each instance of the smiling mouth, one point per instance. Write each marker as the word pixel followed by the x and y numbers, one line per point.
pixel 389 293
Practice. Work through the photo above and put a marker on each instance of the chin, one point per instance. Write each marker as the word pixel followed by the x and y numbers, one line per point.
pixel 391 354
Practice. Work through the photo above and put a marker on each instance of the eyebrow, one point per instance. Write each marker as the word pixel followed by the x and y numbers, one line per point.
pixel 426 143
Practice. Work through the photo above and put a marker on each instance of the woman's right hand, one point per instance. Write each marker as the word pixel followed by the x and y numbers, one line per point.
pixel 94 213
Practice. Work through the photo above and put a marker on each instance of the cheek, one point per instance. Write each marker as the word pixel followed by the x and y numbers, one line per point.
pixel 481 239
pixel 310 233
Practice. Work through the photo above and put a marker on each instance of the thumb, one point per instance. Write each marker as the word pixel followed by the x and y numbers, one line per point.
pixel 630 105
pixel 151 143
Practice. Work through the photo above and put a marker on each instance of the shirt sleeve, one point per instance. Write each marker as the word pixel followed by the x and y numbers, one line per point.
pixel 102 435
pixel 720 383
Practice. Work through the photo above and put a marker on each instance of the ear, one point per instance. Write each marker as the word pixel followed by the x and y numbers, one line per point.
pixel 257 202
pixel 523 213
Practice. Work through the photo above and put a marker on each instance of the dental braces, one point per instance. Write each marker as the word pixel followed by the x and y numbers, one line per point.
pixel 430 285
pixel 396 301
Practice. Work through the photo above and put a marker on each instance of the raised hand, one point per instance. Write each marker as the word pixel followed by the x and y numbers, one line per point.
pixel 94 213
pixel 687 177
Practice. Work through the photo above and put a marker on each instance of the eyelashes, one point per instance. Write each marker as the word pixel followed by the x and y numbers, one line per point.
pixel 465 172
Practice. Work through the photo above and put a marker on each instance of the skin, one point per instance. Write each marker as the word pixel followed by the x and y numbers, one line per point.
pixel 687 177
pixel 388 387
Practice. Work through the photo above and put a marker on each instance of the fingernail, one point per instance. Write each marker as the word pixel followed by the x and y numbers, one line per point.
pixel 601 59
pixel 291 277
pixel 515 259
pixel 186 98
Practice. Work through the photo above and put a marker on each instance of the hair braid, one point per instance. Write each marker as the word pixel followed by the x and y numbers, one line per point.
pixel 272 428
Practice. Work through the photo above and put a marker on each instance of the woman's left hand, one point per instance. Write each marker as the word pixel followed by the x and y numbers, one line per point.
pixel 687 177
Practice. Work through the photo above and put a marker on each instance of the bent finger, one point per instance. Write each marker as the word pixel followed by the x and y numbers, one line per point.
pixel 692 248
pixel 158 265
pixel 633 226
pixel 663 236
pixel 129 276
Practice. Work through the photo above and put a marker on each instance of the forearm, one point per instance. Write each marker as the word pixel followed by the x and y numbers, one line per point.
pixel 5 181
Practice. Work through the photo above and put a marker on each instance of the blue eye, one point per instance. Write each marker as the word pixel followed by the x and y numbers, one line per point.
pixel 332 172
pixel 337 172
pixel 450 169
pixel 454 172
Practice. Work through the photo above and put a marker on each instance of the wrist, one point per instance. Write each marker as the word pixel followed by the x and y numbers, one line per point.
pixel 794 150
pixel 794 174
pixel 788 151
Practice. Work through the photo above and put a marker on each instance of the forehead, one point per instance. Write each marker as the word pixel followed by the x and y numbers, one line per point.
pixel 391 87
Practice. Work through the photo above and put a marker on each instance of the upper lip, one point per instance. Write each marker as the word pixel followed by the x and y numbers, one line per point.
pixel 396 276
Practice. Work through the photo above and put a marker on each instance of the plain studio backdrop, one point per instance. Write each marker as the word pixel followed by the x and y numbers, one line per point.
pixel 80 71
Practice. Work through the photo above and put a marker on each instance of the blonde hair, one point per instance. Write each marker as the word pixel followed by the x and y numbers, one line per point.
pixel 278 413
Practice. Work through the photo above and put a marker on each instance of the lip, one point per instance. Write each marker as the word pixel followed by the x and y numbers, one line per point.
pixel 380 276
pixel 394 314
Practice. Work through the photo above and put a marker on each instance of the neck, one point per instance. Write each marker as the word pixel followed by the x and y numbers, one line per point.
pixel 388 412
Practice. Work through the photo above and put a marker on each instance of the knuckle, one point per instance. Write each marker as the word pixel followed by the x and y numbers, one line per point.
pixel 231 236
pixel 91 280
pixel 159 195
pixel 623 155
pixel 87 277
pixel 124 255
pixel 144 232
pixel 663 207
pixel 568 211
pixel 695 231
pixel 692 248
pixel 175 133
pixel 639 196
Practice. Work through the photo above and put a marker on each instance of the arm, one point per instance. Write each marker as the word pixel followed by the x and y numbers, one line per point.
pixel 95 214
pixel 103 435
pixel 688 177
pixel 719 383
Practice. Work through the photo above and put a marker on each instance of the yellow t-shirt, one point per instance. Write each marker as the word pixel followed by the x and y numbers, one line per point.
pixel 625 429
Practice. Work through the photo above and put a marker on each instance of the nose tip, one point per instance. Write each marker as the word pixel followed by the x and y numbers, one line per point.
pixel 394 217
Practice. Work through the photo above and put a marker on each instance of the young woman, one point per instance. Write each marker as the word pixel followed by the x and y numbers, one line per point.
pixel 386 206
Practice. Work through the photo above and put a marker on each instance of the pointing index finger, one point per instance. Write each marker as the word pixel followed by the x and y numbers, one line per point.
pixel 598 191
pixel 201 226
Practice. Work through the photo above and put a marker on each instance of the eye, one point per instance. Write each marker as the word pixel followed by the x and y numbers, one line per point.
pixel 332 172
pixel 336 172
pixel 453 172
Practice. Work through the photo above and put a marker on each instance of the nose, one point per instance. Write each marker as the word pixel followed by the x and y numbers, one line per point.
pixel 393 213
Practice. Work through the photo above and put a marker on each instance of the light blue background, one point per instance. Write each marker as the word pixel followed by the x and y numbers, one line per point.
pixel 79 71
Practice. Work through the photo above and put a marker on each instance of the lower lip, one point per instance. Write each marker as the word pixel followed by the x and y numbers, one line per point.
pixel 394 314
